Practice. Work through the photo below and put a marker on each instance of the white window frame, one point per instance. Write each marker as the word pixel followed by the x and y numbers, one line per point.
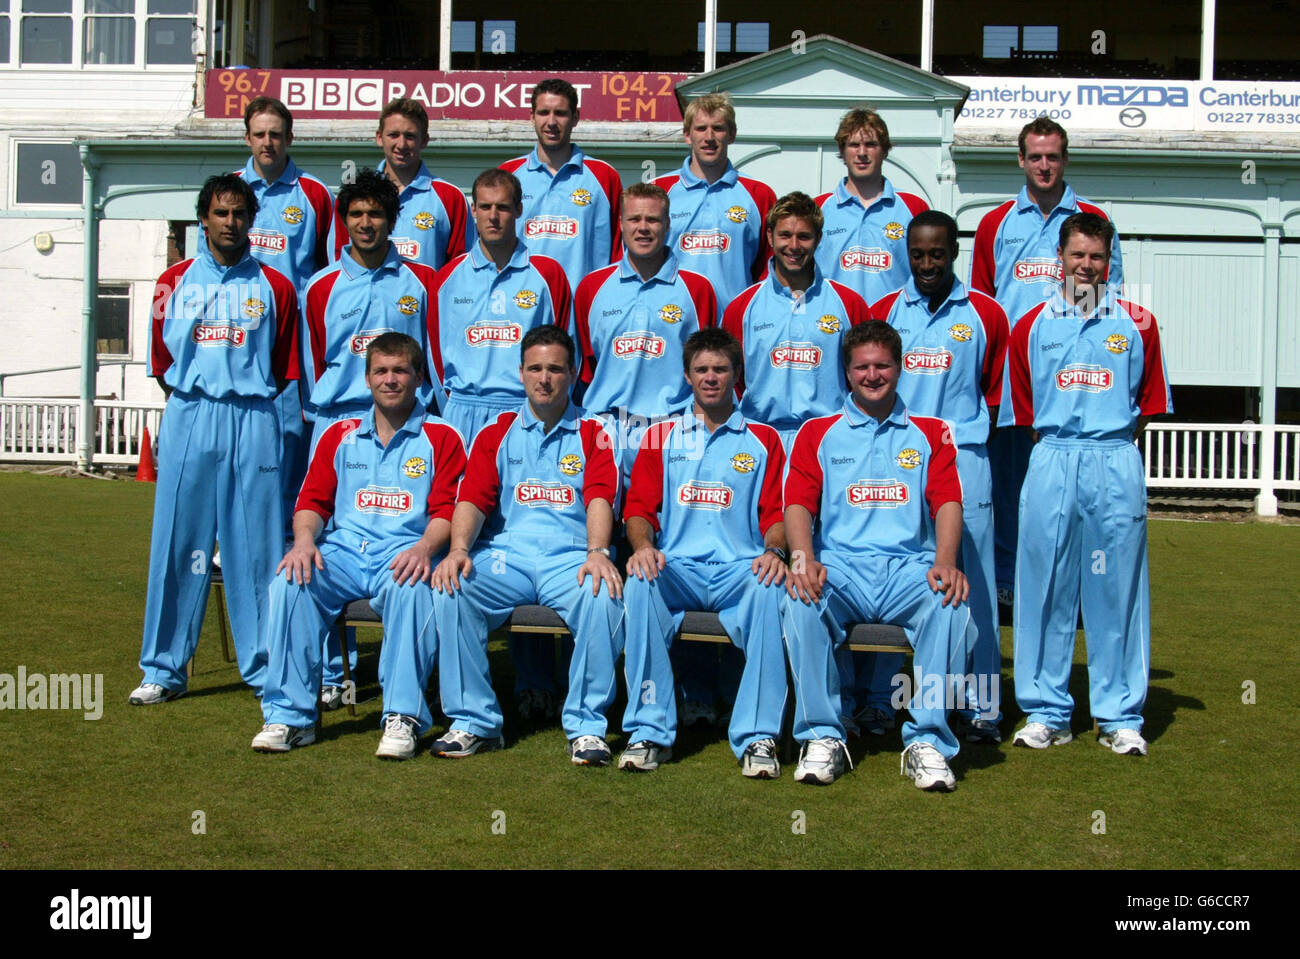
pixel 79 17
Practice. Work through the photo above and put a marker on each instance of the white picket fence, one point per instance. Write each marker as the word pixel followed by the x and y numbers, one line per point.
pixel 1257 460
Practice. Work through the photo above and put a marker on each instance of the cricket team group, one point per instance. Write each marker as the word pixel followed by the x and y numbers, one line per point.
pixel 787 411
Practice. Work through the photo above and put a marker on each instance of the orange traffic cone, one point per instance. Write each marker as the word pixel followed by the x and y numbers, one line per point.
pixel 146 472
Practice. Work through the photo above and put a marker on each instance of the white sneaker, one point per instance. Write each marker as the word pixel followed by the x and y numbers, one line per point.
pixel 150 694
pixel 398 740
pixel 589 751
pixel 759 760
pixel 331 698
pixel 821 761
pixel 279 738
pixel 644 756
pixel 1040 736
pixel 926 767
pixel 1127 742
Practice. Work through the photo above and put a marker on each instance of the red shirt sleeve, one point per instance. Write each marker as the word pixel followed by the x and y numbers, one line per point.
pixel 804 476
pixel 435 343
pixel 160 358
pixel 448 465
pixel 328 241
pixel 913 203
pixel 582 299
pixel 997 333
pixel 645 488
pixel 553 275
pixel 600 476
pixel 322 479
pixel 942 484
pixel 457 207
pixel 703 296
pixel 317 303
pixel 733 321
pixel 612 186
pixel 481 484
pixel 883 307
pixel 771 505
pixel 982 267
pixel 854 305
pixel 764 199
pixel 1022 383
pixel 284 355
pixel 1153 392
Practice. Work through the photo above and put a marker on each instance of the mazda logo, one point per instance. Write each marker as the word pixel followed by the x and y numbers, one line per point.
pixel 1132 117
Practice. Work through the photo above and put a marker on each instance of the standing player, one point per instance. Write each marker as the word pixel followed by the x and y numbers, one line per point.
pixel 570 200
pixel 1015 262
pixel 536 506
pixel 1086 373
pixel 371 290
pixel 434 224
pixel 486 301
pixel 293 234
pixel 632 319
pixel 882 489
pixel 222 343
pixel 790 325
pixel 863 243
pixel 385 483
pixel 717 511
pixel 954 348
pixel 718 216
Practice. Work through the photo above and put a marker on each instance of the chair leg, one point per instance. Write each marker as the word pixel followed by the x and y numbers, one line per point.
pixel 347 669
pixel 220 590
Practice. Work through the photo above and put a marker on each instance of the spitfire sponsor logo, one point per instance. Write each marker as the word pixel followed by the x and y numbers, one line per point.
pixel 214 334
pixel 570 464
pixel 961 332
pixel 670 313
pixel 1036 271
pixel 556 227
pixel 385 500
pixel 581 197
pixel 699 494
pixel 641 343
pixel 268 241
pixel 1081 376
pixel 363 339
pixel 493 334
pixel 701 242
pixel 872 260
pixel 927 361
pixel 1117 343
pixel 424 220
pixel 292 214
pixel 525 299
pixel 870 494
pixel 407 249
pixel 743 463
pixel 253 308
pixel 909 458
pixel 415 467
pixel 799 356
pixel 532 493
pixel 894 230
pixel 737 214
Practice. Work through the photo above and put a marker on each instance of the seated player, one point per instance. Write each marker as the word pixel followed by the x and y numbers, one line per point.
pixel 385 483
pixel 881 487
pixel 1087 373
pixel 708 481
pixel 536 508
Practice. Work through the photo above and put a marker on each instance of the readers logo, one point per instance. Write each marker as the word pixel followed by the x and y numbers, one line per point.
pixel 292 215
pixel 961 332
pixel 743 463
pixel 581 197
pixel 532 493
pixel 670 313
pixel 699 494
pixel 909 458
pixel 570 464
pixel 702 242
pixel 407 305
pixel 525 299
pixel 830 323
pixel 415 467
pixel 872 494
pixel 1081 376
pixel 424 220
pixel 384 500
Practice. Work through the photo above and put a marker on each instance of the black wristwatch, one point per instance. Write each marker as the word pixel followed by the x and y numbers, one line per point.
pixel 778 551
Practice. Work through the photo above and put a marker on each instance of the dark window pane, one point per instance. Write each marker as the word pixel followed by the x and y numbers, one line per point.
pixel 171 6
pixel 48 173
pixel 109 40
pixel 47 6
pixel 169 41
pixel 47 40
pixel 4 39
pixel 113 320
pixel 110 6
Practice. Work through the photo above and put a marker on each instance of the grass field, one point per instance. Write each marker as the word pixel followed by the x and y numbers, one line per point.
pixel 123 791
